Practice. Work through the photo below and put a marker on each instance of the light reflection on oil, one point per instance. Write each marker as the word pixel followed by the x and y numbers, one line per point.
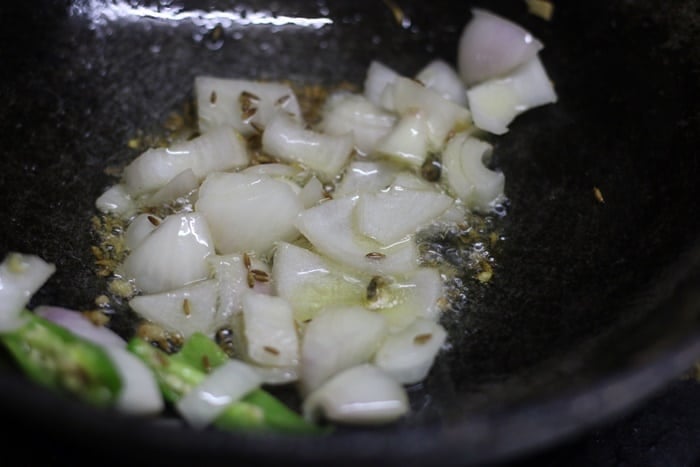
pixel 102 11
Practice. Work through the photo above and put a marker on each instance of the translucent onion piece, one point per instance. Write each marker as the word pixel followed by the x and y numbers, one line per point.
pixel 403 299
pixel 309 282
pixel 441 115
pixel 274 375
pixel 182 185
pixel 21 276
pixel 233 279
pixel 152 265
pixel 288 140
pixel 495 103
pixel 248 212
pixel 80 325
pixel 352 113
pixel 116 200
pixel 225 385
pixel 390 216
pixel 140 393
pixel 362 176
pixel 362 395
pixel 139 229
pixel 185 310
pixel 408 355
pixel 220 149
pixel 407 180
pixel 467 175
pixel 378 77
pixel 270 331
pixel 336 339
pixel 241 104
pixel 312 192
pixel 491 46
pixel 273 170
pixel 330 227
pixel 408 142
pixel 443 78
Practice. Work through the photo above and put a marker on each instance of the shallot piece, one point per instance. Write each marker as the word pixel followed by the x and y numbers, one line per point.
pixel 490 46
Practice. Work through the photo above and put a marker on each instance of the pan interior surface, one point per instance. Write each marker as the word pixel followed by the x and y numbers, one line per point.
pixel 594 300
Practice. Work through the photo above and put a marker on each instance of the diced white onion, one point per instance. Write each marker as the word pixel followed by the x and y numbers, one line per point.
pixel 363 394
pixel 273 169
pixel 182 185
pixel 219 103
pixel 408 142
pixel 467 175
pixel 139 229
pixel 152 265
pixel 185 310
pixel 274 375
pixel 378 77
pixel 288 140
pixel 225 385
pixel 390 216
pixel 21 276
pixel 309 282
pixel 408 355
pixel 441 115
pixel 491 46
pixel 336 339
pixel 139 393
pixel 330 228
pixel 270 331
pixel 443 78
pixel 248 212
pixel 80 325
pixel 219 149
pixel 495 103
pixel 312 192
pixel 116 200
pixel 346 112
pixel 362 175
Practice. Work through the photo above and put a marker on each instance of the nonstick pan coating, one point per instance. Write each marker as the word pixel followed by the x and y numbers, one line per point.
pixel 594 305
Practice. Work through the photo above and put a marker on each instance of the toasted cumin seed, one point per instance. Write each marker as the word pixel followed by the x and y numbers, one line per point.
pixel 283 100
pixel 153 220
pixel 246 261
pixel 249 96
pixel 206 363
pixel 186 307
pixel 375 255
pixel 260 276
pixel 212 97
pixel 271 350
pixel 251 280
pixel 422 338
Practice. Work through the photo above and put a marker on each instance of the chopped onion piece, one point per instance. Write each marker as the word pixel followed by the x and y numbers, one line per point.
pixel 139 393
pixel 116 200
pixel 408 142
pixel 273 375
pixel 312 192
pixel 225 385
pixel 220 149
pixel 273 169
pixel 336 339
pixel 21 276
pixel 441 115
pixel 330 228
pixel 270 331
pixel 360 176
pixel 363 394
pixel 80 325
pixel 495 103
pixel 443 78
pixel 407 180
pixel 152 265
pixel 139 229
pixel 185 310
pixel 288 140
pixel 346 112
pixel 390 216
pixel 402 299
pixel 241 104
pixel 309 282
pixel 182 185
pixel 408 355
pixel 248 212
pixel 378 77
pixel 467 175
pixel 491 46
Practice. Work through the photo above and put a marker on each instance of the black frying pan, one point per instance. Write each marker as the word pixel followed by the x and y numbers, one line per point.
pixel 594 306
